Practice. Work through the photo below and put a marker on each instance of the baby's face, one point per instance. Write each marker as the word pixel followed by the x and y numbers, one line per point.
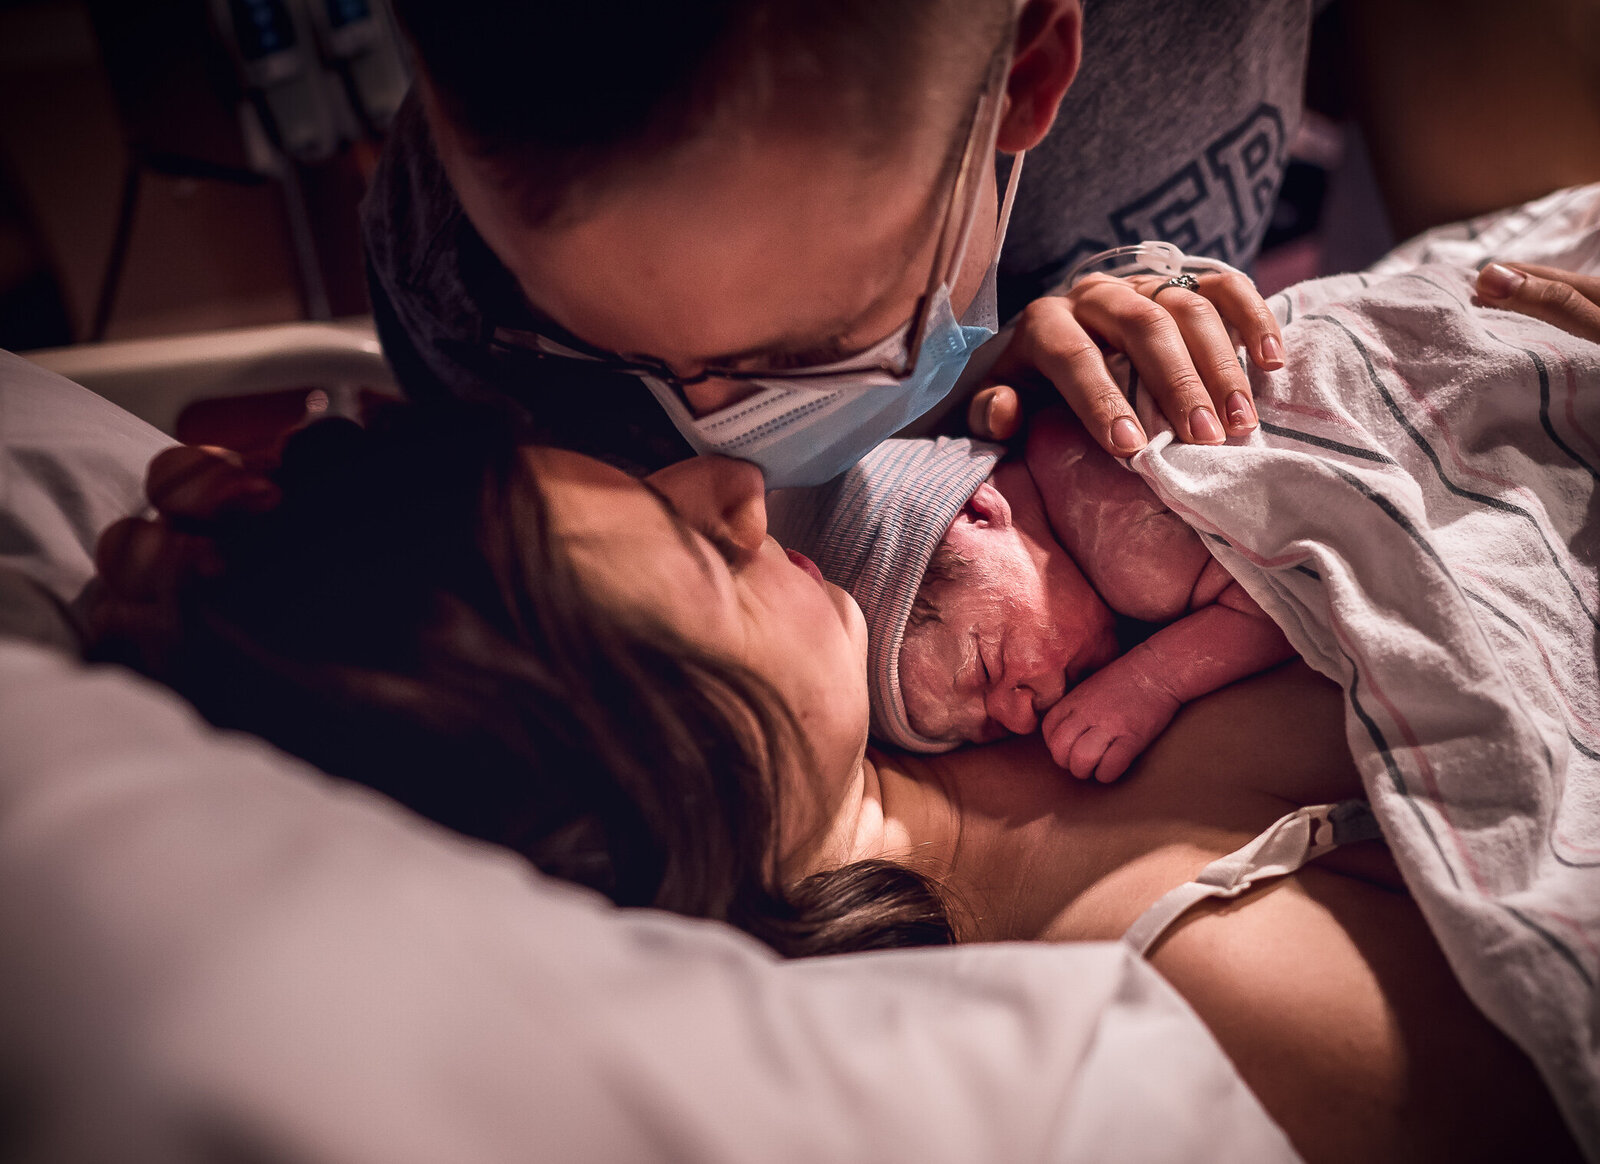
pixel 1017 625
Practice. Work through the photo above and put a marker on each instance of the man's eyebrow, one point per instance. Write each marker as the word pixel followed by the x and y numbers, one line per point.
pixel 685 532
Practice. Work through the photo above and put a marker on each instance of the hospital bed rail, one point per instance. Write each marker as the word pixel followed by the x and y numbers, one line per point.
pixel 157 378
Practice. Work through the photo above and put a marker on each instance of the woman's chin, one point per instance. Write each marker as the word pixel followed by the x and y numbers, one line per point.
pixel 850 616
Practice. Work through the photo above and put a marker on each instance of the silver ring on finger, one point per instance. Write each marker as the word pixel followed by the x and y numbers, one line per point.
pixel 1187 281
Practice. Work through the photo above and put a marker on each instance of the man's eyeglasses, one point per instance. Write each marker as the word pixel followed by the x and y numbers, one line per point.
pixel 889 361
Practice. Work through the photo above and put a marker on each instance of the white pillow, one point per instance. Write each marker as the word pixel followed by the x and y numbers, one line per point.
pixel 70 464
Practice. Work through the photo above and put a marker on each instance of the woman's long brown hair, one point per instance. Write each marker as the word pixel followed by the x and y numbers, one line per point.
pixel 407 619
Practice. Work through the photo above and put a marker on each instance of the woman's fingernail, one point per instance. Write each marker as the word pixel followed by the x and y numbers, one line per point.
pixel 1240 413
pixel 990 407
pixel 1499 282
pixel 1271 352
pixel 1126 435
pixel 1203 426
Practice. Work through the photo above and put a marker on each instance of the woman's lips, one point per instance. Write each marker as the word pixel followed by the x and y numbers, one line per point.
pixel 805 564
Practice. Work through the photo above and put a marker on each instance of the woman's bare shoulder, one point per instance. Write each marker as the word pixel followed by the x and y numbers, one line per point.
pixel 1338 1007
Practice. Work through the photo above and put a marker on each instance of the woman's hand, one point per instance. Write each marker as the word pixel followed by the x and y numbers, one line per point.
pixel 143 563
pixel 1177 339
pixel 1564 298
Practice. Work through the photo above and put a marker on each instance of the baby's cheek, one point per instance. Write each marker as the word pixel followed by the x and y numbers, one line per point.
pixel 928 696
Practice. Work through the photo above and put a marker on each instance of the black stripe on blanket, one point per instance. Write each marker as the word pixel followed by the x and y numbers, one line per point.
pixel 1433 457
pixel 1331 445
pixel 1555 944
pixel 1397 778
pixel 1540 369
pixel 1381 742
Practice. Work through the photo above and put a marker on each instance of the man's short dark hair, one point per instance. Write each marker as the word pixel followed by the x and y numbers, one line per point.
pixel 563 93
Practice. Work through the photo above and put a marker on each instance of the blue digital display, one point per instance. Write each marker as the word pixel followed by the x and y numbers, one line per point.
pixel 343 12
pixel 262 27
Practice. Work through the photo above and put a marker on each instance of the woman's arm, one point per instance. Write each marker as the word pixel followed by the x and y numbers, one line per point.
pixel 1339 1009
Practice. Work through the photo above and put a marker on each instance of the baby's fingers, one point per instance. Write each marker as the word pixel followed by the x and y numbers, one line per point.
pixel 1118 755
pixel 1071 739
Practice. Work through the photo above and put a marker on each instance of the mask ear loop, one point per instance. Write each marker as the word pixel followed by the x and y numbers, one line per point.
pixel 1009 200
pixel 1151 257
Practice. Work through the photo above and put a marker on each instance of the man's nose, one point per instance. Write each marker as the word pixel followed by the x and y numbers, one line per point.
pixel 723 498
pixel 705 396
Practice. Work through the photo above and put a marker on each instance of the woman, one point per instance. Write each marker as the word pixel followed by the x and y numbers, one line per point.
pixel 632 684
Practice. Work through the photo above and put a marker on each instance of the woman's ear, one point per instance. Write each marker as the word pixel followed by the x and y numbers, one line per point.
pixel 1048 50
pixel 987 507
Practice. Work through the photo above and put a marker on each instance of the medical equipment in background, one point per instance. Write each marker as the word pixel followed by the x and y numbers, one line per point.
pixel 359 43
pixel 246 92
pixel 1151 257
pixel 320 72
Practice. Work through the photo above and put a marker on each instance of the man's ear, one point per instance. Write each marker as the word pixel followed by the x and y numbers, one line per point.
pixel 987 507
pixel 1048 50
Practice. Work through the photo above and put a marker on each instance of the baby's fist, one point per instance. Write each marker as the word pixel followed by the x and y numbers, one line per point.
pixel 1099 727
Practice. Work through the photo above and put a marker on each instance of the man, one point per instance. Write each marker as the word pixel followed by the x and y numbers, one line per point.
pixel 1052 591
pixel 711 192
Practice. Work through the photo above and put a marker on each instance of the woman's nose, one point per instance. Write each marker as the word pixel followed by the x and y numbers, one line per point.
pixel 723 498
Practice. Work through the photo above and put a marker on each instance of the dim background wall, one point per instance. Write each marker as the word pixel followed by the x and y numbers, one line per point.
pixel 1467 105
pixel 203 253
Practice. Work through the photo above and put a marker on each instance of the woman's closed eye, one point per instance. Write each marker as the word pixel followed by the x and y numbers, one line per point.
pixel 692 534
pixel 729 550
pixel 693 538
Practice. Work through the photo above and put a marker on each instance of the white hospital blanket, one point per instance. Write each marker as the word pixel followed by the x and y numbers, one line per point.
pixel 1418 512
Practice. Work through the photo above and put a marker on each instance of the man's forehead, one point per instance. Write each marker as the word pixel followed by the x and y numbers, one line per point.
pixel 761 247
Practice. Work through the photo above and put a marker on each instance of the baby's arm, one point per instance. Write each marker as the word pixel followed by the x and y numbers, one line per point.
pixel 1100 726
pixel 1137 554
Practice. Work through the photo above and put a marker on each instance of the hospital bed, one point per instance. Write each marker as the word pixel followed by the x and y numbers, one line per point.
pixel 208 950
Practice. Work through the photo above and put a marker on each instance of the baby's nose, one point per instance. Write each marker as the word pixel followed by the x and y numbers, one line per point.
pixel 1017 708
pixel 1013 709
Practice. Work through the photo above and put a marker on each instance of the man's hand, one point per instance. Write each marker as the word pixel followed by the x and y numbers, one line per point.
pixel 1177 340
pixel 1564 298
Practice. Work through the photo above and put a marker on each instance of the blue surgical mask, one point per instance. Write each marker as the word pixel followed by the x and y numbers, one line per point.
pixel 806 435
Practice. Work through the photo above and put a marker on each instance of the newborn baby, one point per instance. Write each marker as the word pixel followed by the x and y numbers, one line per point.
pixel 1002 597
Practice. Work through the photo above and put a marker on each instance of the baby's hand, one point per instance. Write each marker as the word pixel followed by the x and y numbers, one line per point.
pixel 1101 725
